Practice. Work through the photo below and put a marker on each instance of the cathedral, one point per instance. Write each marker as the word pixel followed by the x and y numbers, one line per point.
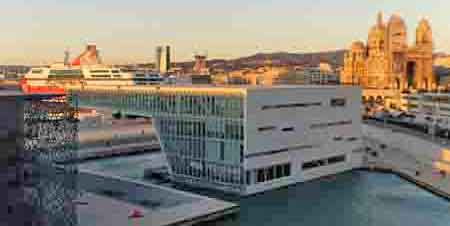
pixel 387 62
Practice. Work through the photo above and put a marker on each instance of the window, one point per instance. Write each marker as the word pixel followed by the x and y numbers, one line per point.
pixel 288 129
pixel 323 162
pixel 241 151
pixel 101 76
pixel 260 175
pixel 272 152
pixel 266 128
pixel 99 71
pixel 330 124
pixel 295 105
pixel 338 102
pixel 269 173
pixel 352 139
pixel 222 151
pixel 248 177
pixel 287 169
pixel 309 165
pixel 336 159
pixel 278 171
pixel 337 138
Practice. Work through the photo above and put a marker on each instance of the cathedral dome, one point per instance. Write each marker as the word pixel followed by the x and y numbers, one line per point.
pixel 423 32
pixel 377 33
pixel 396 22
pixel 396 34
pixel 423 24
pixel 357 45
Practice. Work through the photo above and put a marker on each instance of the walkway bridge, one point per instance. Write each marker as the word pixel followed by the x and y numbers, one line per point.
pixel 162 100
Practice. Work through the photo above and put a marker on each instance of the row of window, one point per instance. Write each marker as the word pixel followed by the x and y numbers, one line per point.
pixel 313 126
pixel 271 128
pixel 220 129
pixel 99 71
pixel 323 162
pixel 338 102
pixel 65 72
pixel 101 76
pixel 330 124
pixel 347 139
pixel 169 103
pixel 223 174
pixel 272 152
pixel 295 105
pixel 269 173
pixel 335 102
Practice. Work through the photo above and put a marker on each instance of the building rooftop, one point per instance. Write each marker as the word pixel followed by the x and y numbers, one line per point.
pixel 160 206
pixel 207 87
pixel 11 93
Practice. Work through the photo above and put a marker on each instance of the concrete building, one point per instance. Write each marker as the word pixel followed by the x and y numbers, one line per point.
pixel 435 106
pixel 200 66
pixel 163 59
pixel 387 62
pixel 245 139
pixel 158 57
pixel 321 75
pixel 36 131
pixel 168 60
pixel 253 138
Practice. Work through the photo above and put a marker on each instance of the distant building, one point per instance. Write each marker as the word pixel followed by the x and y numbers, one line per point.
pixel 158 57
pixel 387 62
pixel 163 59
pixel 443 61
pixel 266 75
pixel 321 75
pixel 34 135
pixel 168 59
pixel 13 71
pixel 386 66
pixel 435 106
pixel 283 75
pixel 200 66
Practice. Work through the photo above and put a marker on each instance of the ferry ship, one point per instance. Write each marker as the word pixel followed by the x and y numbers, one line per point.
pixel 87 69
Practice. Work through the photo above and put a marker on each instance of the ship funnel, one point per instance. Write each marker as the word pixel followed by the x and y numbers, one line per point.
pixel 99 57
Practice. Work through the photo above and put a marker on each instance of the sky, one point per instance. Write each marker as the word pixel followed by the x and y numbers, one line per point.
pixel 127 31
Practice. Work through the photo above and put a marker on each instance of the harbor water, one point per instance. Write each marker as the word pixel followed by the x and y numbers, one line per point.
pixel 349 199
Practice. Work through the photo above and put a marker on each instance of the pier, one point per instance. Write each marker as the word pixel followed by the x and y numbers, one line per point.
pixel 409 156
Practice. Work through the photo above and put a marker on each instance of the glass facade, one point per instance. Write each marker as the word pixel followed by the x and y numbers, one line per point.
pixel 201 131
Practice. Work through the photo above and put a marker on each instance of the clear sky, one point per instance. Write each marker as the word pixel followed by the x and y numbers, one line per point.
pixel 38 31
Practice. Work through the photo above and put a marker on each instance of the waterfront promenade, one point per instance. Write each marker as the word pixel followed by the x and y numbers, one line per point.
pixel 410 155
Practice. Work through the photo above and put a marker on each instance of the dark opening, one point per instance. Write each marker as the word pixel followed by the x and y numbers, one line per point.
pixel 410 72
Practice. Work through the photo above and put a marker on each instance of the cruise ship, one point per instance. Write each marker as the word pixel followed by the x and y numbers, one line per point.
pixel 87 69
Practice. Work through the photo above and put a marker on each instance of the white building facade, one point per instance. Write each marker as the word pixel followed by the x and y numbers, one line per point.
pixel 247 140
pixel 298 134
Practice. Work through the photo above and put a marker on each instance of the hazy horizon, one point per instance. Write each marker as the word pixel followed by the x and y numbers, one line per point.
pixel 39 31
